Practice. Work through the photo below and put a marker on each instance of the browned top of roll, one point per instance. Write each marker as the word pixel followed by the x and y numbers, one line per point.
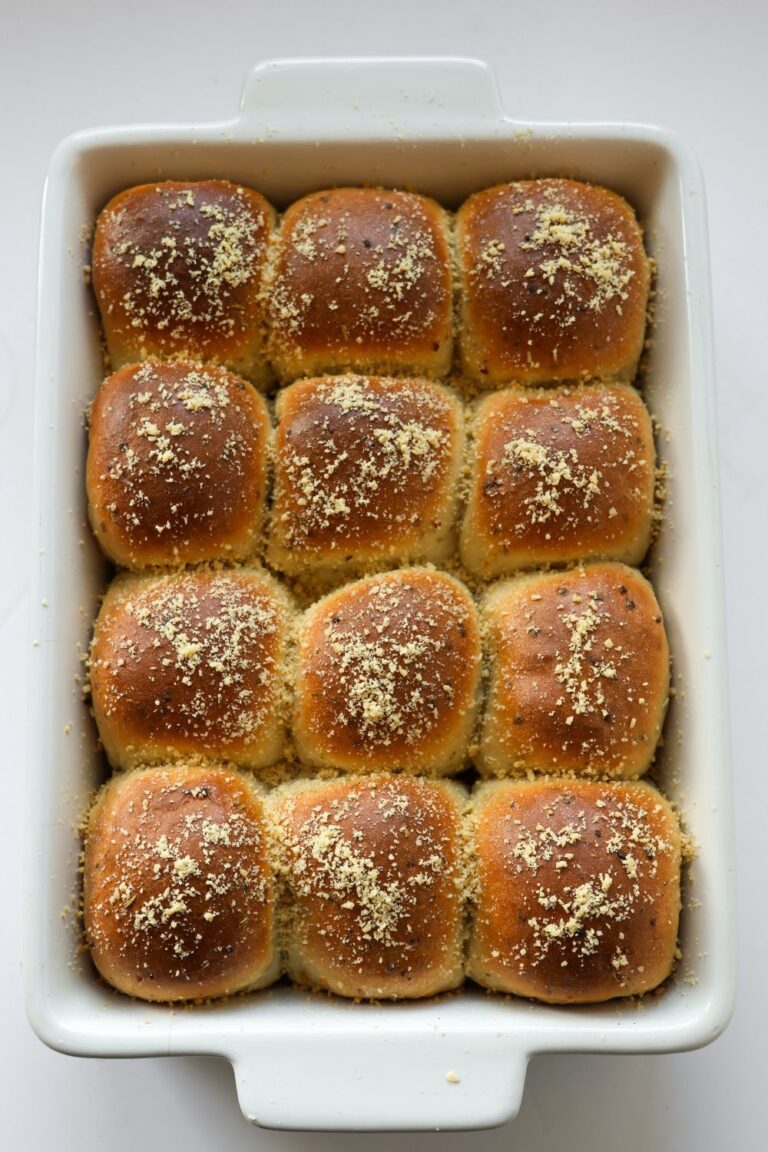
pixel 581 672
pixel 177 884
pixel 560 475
pixel 361 280
pixel 177 464
pixel 388 673
pixel 579 889
pixel 177 270
pixel 188 663
pixel 555 282
pixel 374 871
pixel 364 465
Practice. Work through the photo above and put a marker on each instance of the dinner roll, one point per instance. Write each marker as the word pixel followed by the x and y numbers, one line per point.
pixel 373 873
pixel 178 895
pixel 362 281
pixel 388 675
pixel 579 673
pixel 177 464
pixel 554 283
pixel 191 663
pixel 177 269
pixel 366 471
pixel 559 475
pixel 578 893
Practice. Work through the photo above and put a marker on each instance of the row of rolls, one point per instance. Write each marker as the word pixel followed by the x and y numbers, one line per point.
pixel 187 464
pixel 532 281
pixel 556 672
pixel 200 884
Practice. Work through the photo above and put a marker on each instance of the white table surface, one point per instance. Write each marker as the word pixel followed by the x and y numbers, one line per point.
pixel 698 66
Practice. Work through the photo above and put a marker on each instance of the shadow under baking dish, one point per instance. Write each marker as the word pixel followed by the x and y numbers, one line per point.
pixel 435 127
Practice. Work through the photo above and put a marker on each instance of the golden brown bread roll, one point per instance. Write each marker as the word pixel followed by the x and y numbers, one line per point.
pixel 554 282
pixel 388 675
pixel 361 282
pixel 578 893
pixel 178 891
pixel 177 270
pixel 177 464
pixel 192 663
pixel 366 471
pixel 559 475
pixel 579 673
pixel 373 874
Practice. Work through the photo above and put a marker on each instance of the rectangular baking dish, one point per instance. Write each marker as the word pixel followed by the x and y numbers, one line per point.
pixel 304 1061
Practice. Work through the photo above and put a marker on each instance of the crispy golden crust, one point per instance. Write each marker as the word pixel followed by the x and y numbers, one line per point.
pixel 361 282
pixel 388 675
pixel 177 464
pixel 554 281
pixel 579 673
pixel 177 269
pixel 178 890
pixel 578 894
pixel 366 471
pixel 191 663
pixel 559 475
pixel 374 874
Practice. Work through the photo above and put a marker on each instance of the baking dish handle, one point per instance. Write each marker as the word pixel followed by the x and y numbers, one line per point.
pixel 379 97
pixel 377 1082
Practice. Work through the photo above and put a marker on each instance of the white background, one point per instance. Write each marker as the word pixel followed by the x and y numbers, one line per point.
pixel 698 66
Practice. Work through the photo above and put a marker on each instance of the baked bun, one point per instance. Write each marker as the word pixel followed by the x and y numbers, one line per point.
pixel 366 471
pixel 554 282
pixel 579 674
pixel 373 874
pixel 177 464
pixel 177 268
pixel 362 282
pixel 388 675
pixel 178 891
pixel 578 894
pixel 559 475
pixel 188 664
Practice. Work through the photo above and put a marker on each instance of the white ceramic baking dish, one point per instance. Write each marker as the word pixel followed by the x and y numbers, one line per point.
pixel 304 1061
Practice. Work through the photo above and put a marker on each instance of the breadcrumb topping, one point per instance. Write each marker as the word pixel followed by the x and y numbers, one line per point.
pixel 578 254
